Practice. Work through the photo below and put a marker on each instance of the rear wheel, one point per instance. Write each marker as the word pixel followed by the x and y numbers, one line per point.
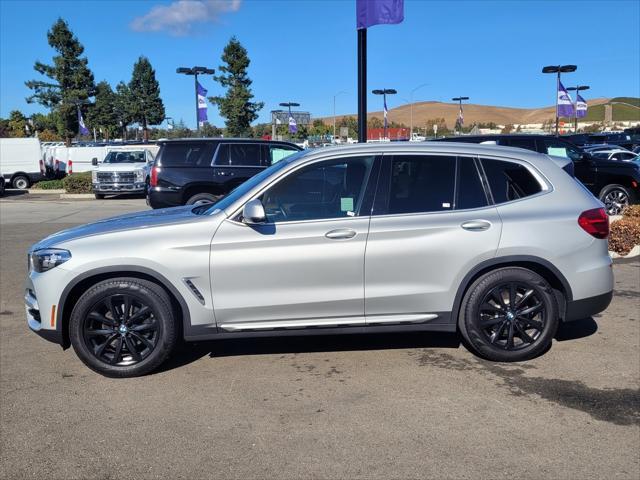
pixel 615 198
pixel 509 315
pixel 202 198
pixel 21 182
pixel 123 327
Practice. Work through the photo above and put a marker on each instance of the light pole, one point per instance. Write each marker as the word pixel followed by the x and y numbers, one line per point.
pixel 577 89
pixel 411 118
pixel 384 92
pixel 460 114
pixel 334 114
pixel 289 105
pixel 195 71
pixel 558 69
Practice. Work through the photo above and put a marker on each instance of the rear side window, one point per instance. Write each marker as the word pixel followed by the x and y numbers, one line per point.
pixel 240 154
pixel 509 181
pixel 469 191
pixel 526 143
pixel 191 154
pixel 421 184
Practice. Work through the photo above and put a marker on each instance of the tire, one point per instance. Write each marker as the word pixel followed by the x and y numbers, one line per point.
pixel 99 196
pixel 616 198
pixel 202 198
pixel 105 345
pixel 21 182
pixel 496 332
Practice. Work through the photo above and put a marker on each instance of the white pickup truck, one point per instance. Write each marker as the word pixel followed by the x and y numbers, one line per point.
pixel 123 171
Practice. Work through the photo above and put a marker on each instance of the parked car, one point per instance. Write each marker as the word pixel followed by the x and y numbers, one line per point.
pixel 620 139
pixel 123 171
pixel 365 238
pixel 616 184
pixel 20 161
pixel 195 171
pixel 617 154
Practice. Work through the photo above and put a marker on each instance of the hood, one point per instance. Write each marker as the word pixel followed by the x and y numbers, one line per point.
pixel 130 221
pixel 120 167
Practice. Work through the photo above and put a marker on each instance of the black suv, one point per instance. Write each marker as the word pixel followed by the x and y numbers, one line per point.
pixel 615 183
pixel 195 171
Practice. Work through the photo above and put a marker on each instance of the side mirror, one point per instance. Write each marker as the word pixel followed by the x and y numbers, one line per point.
pixel 94 162
pixel 253 212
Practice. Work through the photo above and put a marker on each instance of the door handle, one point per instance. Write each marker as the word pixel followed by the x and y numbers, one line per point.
pixel 340 234
pixel 476 225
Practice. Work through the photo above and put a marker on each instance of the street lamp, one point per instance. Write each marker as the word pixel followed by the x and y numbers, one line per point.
pixel 411 96
pixel 334 114
pixel 289 105
pixel 577 89
pixel 460 114
pixel 558 69
pixel 195 71
pixel 384 92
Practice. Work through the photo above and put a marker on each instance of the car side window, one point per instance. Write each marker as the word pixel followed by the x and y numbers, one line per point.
pixel 188 154
pixel 245 154
pixel 279 152
pixel 526 143
pixel 509 181
pixel 421 183
pixel 330 189
pixel 469 190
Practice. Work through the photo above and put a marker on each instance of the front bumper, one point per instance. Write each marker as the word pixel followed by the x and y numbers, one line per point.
pixel 119 187
pixel 45 324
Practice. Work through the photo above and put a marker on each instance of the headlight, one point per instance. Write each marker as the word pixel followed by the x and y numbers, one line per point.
pixel 139 176
pixel 48 258
pixel 94 176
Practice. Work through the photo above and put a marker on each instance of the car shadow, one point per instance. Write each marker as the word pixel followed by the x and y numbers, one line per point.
pixel 187 353
pixel 14 193
pixel 576 329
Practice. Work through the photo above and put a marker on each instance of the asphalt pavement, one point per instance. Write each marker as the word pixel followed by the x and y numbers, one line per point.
pixel 392 406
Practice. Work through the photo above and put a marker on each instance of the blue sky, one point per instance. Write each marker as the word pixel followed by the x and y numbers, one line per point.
pixel 305 50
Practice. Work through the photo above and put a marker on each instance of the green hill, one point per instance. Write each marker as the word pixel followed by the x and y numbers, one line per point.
pixel 620 112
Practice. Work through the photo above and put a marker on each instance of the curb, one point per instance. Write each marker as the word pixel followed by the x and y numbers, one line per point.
pixel 635 251
pixel 77 196
pixel 40 191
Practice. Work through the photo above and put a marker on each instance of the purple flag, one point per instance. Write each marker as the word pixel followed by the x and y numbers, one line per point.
pixel 202 104
pixel 83 128
pixel 460 120
pixel 581 106
pixel 386 112
pixel 564 102
pixel 293 126
pixel 375 12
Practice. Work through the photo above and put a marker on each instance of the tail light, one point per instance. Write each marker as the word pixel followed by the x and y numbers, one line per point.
pixel 70 167
pixel 153 181
pixel 595 222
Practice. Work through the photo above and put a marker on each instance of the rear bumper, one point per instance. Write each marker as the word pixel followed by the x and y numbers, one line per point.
pixel 158 197
pixel 587 307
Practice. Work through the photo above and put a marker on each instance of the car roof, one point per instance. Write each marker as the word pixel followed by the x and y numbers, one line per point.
pixel 224 139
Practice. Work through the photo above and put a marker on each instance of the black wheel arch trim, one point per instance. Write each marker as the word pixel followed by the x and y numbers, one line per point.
pixel 510 261
pixel 121 270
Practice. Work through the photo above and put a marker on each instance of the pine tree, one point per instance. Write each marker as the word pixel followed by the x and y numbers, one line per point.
pixel 236 106
pixel 70 79
pixel 146 107
pixel 103 114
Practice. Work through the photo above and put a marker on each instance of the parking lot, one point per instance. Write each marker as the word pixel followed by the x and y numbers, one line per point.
pixel 394 406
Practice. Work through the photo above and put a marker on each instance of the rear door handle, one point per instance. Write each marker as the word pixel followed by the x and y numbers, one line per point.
pixel 476 225
pixel 340 234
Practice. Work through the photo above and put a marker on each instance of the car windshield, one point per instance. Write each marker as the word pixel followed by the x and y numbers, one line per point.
pixel 245 187
pixel 136 156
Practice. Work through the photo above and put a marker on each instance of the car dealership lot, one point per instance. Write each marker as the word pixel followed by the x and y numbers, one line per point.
pixel 355 406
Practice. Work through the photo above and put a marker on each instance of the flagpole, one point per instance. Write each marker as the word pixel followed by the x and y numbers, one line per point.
pixel 362 85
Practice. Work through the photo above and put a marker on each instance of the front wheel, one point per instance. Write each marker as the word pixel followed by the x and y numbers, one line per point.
pixel 509 315
pixel 21 182
pixel 615 198
pixel 123 327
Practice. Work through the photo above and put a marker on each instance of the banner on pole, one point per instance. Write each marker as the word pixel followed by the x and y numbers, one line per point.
pixel 564 102
pixel 202 104
pixel 376 12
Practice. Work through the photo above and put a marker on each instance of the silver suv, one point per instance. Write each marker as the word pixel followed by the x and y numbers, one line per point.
pixel 497 243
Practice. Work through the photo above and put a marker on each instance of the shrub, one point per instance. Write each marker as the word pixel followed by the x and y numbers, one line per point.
pixel 77 183
pixel 49 185
pixel 632 211
pixel 624 235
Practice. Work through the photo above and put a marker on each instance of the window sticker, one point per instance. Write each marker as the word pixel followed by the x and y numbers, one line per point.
pixel 557 152
pixel 346 204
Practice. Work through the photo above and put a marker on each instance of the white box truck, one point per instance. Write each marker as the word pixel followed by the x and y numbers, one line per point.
pixel 21 161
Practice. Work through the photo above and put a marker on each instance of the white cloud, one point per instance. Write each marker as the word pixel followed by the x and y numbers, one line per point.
pixel 179 16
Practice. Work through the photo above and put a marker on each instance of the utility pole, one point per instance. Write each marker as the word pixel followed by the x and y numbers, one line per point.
pixel 558 69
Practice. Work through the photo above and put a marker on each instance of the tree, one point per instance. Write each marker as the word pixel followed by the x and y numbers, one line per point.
pixel 102 113
pixel 236 106
pixel 507 128
pixel 122 107
pixel 17 124
pixel 146 107
pixel 70 79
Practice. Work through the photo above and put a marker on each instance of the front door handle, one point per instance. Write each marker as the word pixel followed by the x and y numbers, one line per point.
pixel 340 234
pixel 476 225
